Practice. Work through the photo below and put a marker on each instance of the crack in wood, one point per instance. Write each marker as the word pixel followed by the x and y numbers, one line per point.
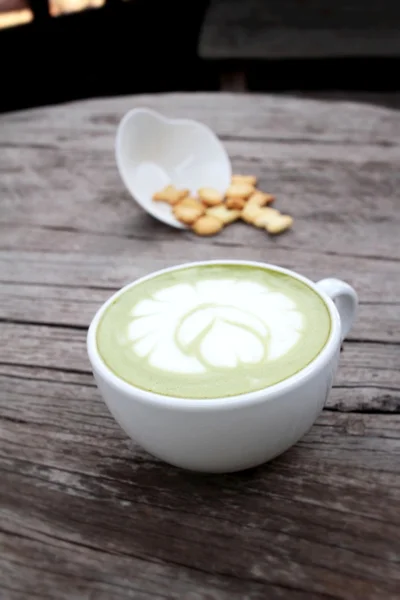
pixel 308 141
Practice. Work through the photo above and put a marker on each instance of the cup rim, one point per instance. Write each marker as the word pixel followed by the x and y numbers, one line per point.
pixel 249 398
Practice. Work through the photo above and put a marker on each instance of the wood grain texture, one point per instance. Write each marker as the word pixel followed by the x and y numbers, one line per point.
pixel 86 514
pixel 257 29
pixel 84 509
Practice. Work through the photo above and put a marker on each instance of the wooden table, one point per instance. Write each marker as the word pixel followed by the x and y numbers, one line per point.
pixel 85 513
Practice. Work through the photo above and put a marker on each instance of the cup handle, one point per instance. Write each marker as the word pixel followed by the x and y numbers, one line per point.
pixel 345 299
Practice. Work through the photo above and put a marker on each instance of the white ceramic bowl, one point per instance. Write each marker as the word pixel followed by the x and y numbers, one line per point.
pixel 153 151
pixel 235 433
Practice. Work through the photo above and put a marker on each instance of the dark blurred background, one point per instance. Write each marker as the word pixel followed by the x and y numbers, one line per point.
pixel 59 50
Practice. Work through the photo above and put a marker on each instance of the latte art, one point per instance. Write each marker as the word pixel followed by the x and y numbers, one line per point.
pixel 212 331
pixel 189 328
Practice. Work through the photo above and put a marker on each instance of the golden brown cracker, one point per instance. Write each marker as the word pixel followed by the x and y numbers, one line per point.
pixel 223 214
pixel 207 225
pixel 235 203
pixel 260 198
pixel 250 213
pixel 265 215
pixel 239 190
pixel 210 197
pixel 188 214
pixel 190 201
pixel 279 224
pixel 170 194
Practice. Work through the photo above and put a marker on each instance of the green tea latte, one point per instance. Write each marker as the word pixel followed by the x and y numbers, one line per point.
pixel 213 330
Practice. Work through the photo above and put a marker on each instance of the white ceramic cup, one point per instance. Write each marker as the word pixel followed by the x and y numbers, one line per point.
pixel 229 434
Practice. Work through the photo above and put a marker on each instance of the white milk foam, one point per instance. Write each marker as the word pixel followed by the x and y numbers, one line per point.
pixel 193 328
